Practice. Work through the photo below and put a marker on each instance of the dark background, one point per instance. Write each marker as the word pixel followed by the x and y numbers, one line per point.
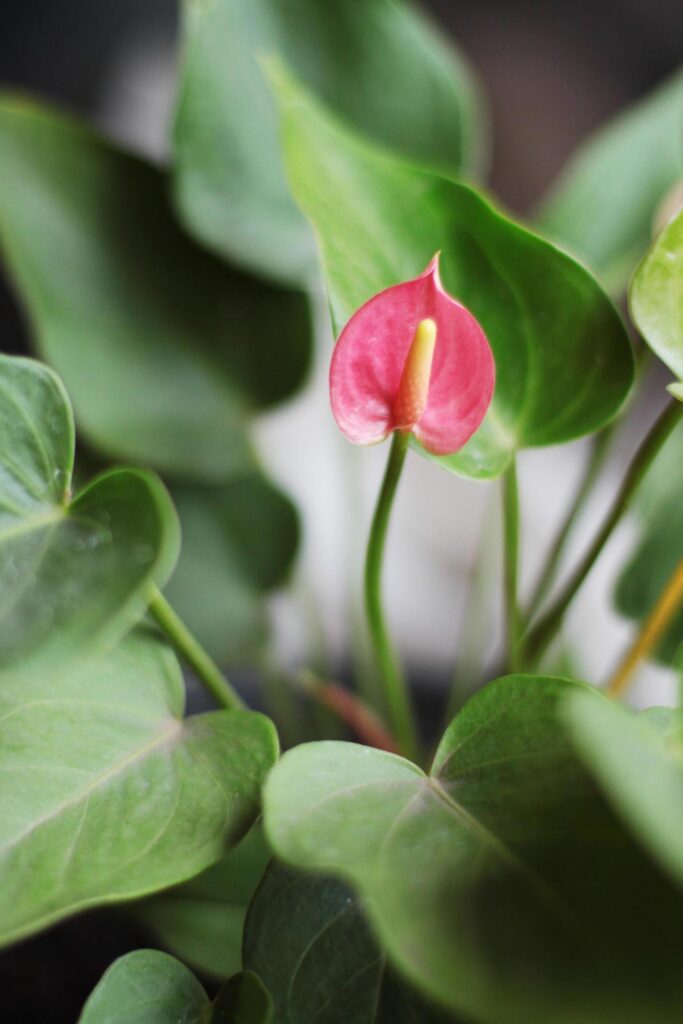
pixel 552 72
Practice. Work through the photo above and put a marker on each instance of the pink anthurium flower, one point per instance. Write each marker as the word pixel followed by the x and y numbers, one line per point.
pixel 412 359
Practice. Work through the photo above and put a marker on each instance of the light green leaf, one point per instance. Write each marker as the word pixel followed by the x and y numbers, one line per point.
pixel 379 63
pixel 73 573
pixel 106 793
pixel 659 512
pixel 147 987
pixel 638 761
pixel 164 350
pixel 239 542
pixel 501 883
pixel 243 1000
pixel 202 920
pixel 307 938
pixel 563 359
pixel 605 202
pixel 656 296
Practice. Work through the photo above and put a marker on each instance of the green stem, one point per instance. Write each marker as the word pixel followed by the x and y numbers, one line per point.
pixel 192 652
pixel 395 689
pixel 511 535
pixel 545 630
pixel 591 473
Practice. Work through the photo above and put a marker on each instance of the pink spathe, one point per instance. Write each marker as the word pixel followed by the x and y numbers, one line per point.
pixel 367 369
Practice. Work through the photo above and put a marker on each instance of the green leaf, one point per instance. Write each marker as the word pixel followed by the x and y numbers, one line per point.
pixel 501 883
pixel 107 794
pixel 307 938
pixel 239 542
pixel 379 63
pixel 202 920
pixel 656 296
pixel 164 350
pixel 243 1000
pixel 604 204
pixel 637 760
pixel 74 573
pixel 563 359
pixel 147 987
pixel 659 513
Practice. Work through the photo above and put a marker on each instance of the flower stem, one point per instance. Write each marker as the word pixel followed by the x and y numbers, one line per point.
pixel 192 652
pixel 511 535
pixel 657 621
pixel 540 636
pixel 395 689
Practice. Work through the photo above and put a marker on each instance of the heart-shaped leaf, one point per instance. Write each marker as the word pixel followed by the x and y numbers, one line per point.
pixel 307 938
pixel 656 296
pixel 409 90
pixel 164 350
pixel 659 512
pixel 202 920
pixel 501 882
pixel 563 359
pixel 72 572
pixel 107 794
pixel 638 761
pixel 604 204
pixel 239 542
pixel 148 987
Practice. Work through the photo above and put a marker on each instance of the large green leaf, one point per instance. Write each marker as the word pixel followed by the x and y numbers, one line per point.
pixel 148 987
pixel 202 920
pixel 106 793
pixel 604 204
pixel 638 761
pixel 379 63
pixel 307 938
pixel 501 882
pixel 563 360
pixel 659 549
pixel 656 296
pixel 164 350
pixel 239 542
pixel 72 572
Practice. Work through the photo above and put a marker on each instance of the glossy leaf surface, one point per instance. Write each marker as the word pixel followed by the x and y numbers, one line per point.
pixel 307 938
pixel 107 794
pixel 73 573
pixel 164 350
pixel 147 987
pixel 659 548
pixel 379 63
pixel 202 920
pixel 563 360
pixel 239 542
pixel 604 204
pixel 478 879
pixel 656 296
pixel 638 761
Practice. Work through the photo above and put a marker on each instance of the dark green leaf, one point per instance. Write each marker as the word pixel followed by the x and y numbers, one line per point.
pixel 72 573
pixel 501 883
pixel 243 1000
pixel 165 352
pixel 307 938
pixel 239 541
pixel 379 63
pixel 603 207
pixel 106 793
pixel 638 762
pixel 563 359
pixel 147 987
pixel 656 296
pixel 202 920
pixel 659 510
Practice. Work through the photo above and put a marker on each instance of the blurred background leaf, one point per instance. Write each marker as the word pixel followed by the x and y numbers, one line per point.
pixel 380 64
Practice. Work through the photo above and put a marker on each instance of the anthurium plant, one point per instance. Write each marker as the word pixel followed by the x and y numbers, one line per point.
pixel 519 863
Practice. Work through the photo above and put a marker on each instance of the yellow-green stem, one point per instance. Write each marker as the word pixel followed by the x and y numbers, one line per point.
pixel 511 534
